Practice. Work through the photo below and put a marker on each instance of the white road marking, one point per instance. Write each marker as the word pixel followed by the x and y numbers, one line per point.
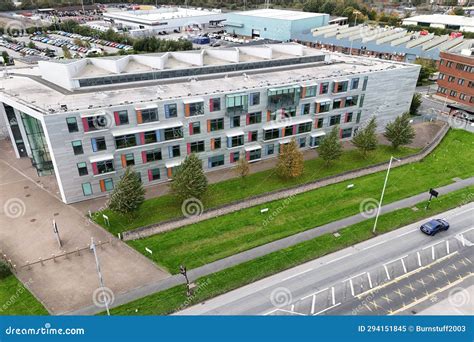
pixel 370 279
pixel 467 230
pixel 333 296
pixel 404 267
pixel 419 258
pixel 329 308
pixel 313 304
pixel 315 293
pixel 406 233
pixel 355 276
pixel 352 287
pixel 297 274
pixel 386 271
pixel 389 262
pixel 433 256
pixel 337 259
pixel 374 245
pixel 430 246
pixel 447 247
pixel 292 308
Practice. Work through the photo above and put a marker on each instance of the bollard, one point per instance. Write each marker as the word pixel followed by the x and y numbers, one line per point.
pixel 41 261
pixel 66 255
pixel 78 252
pixel 54 257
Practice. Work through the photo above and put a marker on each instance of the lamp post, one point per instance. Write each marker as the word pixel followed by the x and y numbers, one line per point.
pixel 101 280
pixel 183 271
pixel 383 192
pixel 355 24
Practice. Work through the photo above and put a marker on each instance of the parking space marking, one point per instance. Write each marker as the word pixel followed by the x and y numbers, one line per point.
pixel 313 304
pixel 386 271
pixel 419 258
pixel 315 293
pixel 329 308
pixel 333 296
pixel 352 287
pixel 404 267
pixel 447 246
pixel 370 280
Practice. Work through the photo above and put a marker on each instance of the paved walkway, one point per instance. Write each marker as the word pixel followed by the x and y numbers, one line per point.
pixel 254 253
pixel 67 282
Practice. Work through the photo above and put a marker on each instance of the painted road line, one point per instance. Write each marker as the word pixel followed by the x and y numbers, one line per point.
pixel 467 230
pixel 439 290
pixel 406 233
pixel 370 279
pixel 329 308
pixel 315 293
pixel 406 275
pixel 419 258
pixel 297 274
pixel 337 259
pixel 282 310
pixel 447 247
pixel 313 304
pixel 355 276
pixel 403 264
pixel 434 244
pixel 333 296
pixel 292 309
pixel 352 287
pixel 389 262
pixel 375 245
pixel 386 271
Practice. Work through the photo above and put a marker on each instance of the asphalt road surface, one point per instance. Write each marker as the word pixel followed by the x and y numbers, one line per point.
pixel 393 273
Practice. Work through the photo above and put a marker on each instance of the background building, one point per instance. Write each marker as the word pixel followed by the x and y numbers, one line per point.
pixel 273 24
pixel 86 120
pixel 450 22
pixel 456 76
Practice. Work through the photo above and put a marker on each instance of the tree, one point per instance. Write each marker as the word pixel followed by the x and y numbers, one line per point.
pixel 290 161
pixel 6 57
pixel 400 132
pixel 66 52
pixel 415 103
pixel 365 139
pixel 428 68
pixel 189 180
pixel 458 11
pixel 31 45
pixel 330 148
pixel 242 168
pixel 128 195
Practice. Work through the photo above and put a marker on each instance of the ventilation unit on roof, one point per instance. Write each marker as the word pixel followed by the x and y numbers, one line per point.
pixel 63 107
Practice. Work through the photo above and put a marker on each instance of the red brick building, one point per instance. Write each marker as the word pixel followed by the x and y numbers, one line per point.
pixel 456 76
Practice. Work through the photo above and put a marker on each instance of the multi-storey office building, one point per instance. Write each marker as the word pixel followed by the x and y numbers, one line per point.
pixel 87 120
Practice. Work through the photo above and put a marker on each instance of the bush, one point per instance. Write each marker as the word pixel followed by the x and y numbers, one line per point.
pixel 4 270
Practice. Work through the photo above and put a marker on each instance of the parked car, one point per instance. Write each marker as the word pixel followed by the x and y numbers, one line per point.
pixel 434 226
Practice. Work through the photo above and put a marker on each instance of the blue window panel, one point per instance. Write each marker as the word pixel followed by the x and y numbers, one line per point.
pixel 170 151
pixel 94 145
pixel 229 142
pixel 158 135
pixel 167 111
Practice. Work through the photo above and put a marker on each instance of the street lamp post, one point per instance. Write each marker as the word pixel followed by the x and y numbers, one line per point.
pixel 101 280
pixel 355 24
pixel 183 271
pixel 383 192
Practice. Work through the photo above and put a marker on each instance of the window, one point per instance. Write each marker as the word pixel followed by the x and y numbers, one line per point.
pixel 324 88
pixel 361 102
pixel 153 155
pixel 351 101
pixel 77 147
pixel 311 91
pixel 87 189
pixel 339 87
pixel 270 149
pixel 254 99
pixel 196 108
pixel 216 124
pixel 174 151
pixel 217 143
pixel 306 109
pixel 149 115
pixel 334 120
pixel 304 127
pixel 129 159
pixel 253 136
pixel 234 156
pixel 216 161
pixel 323 107
pixel 254 118
pixel 108 184
pixel 105 166
pixel 125 141
pixel 461 81
pixel 271 134
pixel 471 84
pixel 449 64
pixel 364 85
pixel 214 104
pixel 255 154
pixel 354 83
pixel 235 141
pixel 453 93
pixel 98 144
pixel 320 122
pixel 173 133
pixel 346 133
pixel 195 127
pixel 348 117
pixel 302 142
pixel 153 174
pixel 359 113
pixel 235 121
pixel 462 97
pixel 441 76
pixel 121 117
pixel 315 141
pixel 197 146
pixel 150 137
pixel 171 110
pixel 236 104
pixel 451 78
pixel 336 104
pixel 72 125
pixel 82 169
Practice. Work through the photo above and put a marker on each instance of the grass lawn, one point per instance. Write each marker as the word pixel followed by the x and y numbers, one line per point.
pixel 216 238
pixel 15 299
pixel 167 207
pixel 173 299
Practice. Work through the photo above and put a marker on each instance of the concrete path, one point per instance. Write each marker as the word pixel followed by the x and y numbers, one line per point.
pixel 68 281
pixel 271 247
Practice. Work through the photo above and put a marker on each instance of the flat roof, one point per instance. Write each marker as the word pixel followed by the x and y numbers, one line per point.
pixel 163 13
pixel 443 19
pixel 280 14
pixel 27 88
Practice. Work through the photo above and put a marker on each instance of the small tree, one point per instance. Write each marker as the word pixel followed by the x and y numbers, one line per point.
pixel 365 139
pixel 415 103
pixel 242 168
pixel 400 132
pixel 330 148
pixel 290 161
pixel 128 195
pixel 189 180
pixel 66 52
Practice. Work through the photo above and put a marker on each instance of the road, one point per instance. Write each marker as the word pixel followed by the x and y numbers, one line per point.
pixel 389 274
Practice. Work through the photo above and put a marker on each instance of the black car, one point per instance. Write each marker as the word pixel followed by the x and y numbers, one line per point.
pixel 434 226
